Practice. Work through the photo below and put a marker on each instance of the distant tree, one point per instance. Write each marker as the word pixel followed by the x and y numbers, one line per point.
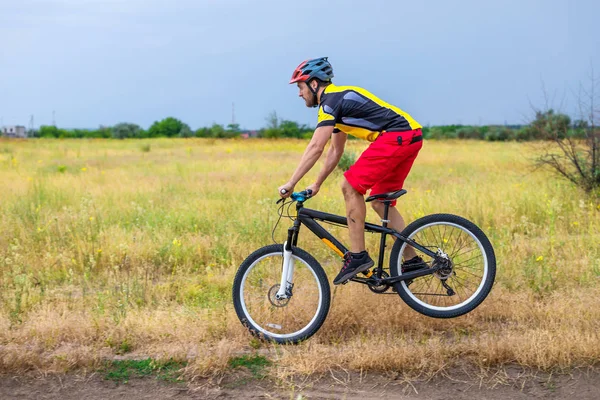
pixel 272 129
pixel 168 127
pixel 185 131
pixel 290 129
pixel 572 158
pixel 547 125
pixel 233 130
pixel 203 132
pixel 102 132
pixel 217 131
pixel 48 131
pixel 272 120
pixel 126 130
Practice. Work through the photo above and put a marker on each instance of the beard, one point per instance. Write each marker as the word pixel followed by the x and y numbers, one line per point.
pixel 310 102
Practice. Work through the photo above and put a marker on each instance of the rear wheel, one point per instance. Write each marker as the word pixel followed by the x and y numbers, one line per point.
pixel 466 261
pixel 289 320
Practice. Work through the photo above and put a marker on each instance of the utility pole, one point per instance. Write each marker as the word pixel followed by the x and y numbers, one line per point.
pixel 232 113
pixel 53 118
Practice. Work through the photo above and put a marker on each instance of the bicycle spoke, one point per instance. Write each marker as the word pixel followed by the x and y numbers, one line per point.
pixel 284 316
pixel 464 252
pixel 467 263
pixel 470 273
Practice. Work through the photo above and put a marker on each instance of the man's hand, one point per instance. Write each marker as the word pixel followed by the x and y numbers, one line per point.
pixel 288 188
pixel 315 189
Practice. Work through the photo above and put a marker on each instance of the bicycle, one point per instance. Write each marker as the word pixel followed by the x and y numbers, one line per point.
pixel 281 293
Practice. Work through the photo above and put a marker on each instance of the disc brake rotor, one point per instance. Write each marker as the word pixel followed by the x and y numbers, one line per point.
pixel 273 298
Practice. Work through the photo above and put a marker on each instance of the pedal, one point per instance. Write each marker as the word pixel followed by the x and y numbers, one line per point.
pixel 368 273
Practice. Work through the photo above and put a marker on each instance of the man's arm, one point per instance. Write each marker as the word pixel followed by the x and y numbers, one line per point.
pixel 311 155
pixel 335 152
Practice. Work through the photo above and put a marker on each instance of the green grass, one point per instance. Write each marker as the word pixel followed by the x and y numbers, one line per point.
pixel 256 364
pixel 123 370
pixel 107 247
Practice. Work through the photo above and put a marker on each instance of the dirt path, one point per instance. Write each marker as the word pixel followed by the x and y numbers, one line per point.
pixel 506 384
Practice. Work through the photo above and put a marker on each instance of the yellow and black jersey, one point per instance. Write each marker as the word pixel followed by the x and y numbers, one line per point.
pixel 359 113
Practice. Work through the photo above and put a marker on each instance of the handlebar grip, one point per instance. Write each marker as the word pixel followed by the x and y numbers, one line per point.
pixel 283 191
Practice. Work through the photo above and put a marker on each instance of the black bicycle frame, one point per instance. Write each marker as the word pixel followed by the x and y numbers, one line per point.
pixel 309 218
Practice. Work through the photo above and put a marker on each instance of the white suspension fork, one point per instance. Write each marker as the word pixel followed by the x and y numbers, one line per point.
pixel 287 273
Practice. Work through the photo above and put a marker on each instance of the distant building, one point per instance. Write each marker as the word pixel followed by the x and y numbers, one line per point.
pixel 16 131
pixel 249 134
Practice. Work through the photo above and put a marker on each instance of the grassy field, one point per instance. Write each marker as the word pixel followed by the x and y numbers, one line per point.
pixel 130 247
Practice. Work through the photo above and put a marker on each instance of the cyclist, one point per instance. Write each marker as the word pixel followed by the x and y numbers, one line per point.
pixel 395 138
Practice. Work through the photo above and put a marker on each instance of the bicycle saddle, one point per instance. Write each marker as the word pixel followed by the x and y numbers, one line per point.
pixel 386 196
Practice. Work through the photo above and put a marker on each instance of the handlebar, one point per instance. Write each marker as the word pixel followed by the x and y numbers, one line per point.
pixel 297 196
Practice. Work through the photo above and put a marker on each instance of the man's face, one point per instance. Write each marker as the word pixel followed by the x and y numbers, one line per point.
pixel 306 94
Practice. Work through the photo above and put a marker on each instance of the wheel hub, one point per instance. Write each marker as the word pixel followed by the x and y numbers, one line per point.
pixel 274 300
pixel 444 266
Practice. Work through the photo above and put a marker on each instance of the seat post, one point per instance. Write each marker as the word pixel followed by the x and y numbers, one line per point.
pixel 384 221
pixel 386 211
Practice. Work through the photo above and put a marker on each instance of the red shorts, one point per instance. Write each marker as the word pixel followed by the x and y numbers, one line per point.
pixel 384 165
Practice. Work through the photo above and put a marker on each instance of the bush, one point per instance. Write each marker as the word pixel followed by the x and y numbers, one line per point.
pixel 499 134
pixel 125 130
pixel 347 160
pixel 468 132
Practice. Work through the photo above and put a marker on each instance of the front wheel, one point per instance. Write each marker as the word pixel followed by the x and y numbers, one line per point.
pixel 466 266
pixel 258 307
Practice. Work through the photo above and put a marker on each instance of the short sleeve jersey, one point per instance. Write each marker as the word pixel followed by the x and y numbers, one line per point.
pixel 357 112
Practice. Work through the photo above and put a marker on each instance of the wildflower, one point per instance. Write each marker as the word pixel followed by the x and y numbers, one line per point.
pixel 540 258
pixel 91 218
pixel 176 242
pixel 83 169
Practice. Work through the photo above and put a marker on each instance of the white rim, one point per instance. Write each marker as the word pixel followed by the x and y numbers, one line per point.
pixel 467 301
pixel 260 328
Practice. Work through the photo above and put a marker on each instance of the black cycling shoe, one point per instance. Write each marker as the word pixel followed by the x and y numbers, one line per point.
pixel 411 265
pixel 354 263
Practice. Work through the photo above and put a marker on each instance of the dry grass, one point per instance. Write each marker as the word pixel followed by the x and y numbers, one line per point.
pixel 109 249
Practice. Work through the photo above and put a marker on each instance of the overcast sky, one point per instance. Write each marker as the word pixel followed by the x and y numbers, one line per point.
pixel 99 62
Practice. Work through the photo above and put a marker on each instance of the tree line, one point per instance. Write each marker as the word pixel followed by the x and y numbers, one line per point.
pixel 172 127
pixel 277 128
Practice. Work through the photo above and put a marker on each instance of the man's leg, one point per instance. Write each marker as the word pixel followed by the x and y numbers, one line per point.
pixel 356 212
pixel 357 259
pixel 396 223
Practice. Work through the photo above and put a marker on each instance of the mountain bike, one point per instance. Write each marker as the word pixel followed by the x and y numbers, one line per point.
pixel 281 293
